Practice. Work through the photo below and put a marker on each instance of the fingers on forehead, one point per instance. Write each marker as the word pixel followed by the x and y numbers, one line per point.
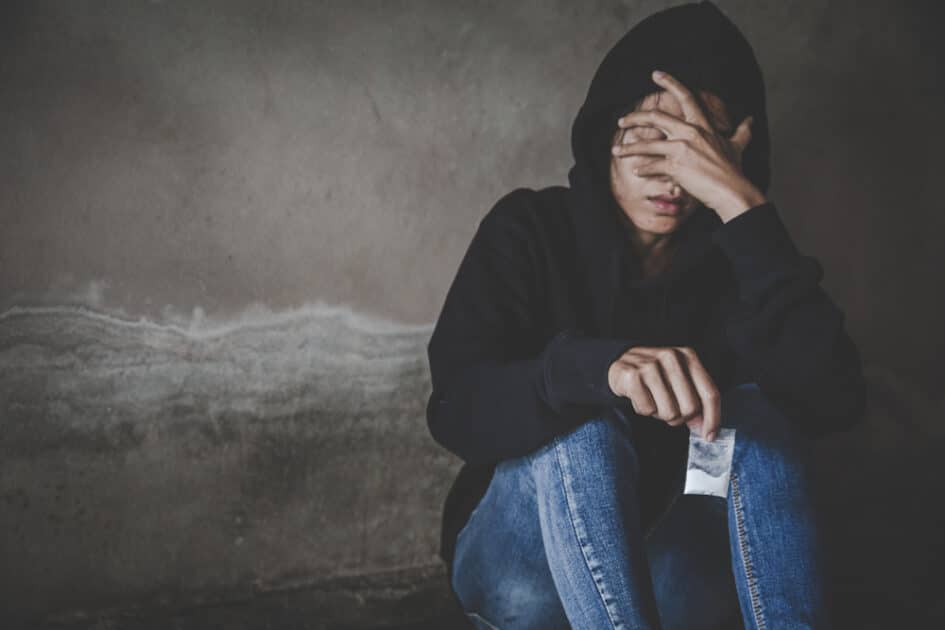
pixel 706 101
pixel 653 116
pixel 664 100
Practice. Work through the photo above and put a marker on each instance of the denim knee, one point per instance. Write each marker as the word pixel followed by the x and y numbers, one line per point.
pixel 606 435
pixel 500 574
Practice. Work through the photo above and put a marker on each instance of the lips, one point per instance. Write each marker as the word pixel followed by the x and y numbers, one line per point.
pixel 667 204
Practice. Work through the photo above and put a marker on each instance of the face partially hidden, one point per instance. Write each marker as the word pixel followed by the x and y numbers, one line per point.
pixel 637 195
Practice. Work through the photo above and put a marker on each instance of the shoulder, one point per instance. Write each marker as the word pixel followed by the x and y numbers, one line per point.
pixel 536 211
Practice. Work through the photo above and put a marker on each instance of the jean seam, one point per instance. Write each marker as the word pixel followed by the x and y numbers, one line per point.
pixel 572 517
pixel 745 552
pixel 483 620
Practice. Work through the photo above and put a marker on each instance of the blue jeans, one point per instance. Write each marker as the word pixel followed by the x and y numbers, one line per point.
pixel 556 541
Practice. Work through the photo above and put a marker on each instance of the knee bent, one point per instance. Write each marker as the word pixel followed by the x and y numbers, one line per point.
pixel 515 599
pixel 598 435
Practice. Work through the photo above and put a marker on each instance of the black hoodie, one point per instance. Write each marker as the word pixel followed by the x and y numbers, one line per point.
pixel 531 323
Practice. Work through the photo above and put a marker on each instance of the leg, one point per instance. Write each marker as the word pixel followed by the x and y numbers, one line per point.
pixel 500 573
pixel 764 535
pixel 774 549
pixel 772 530
pixel 688 554
pixel 556 540
pixel 588 507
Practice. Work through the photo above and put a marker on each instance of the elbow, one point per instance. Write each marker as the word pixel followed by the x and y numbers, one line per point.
pixel 436 421
pixel 852 392
pixel 847 392
pixel 846 410
pixel 442 427
pixel 837 407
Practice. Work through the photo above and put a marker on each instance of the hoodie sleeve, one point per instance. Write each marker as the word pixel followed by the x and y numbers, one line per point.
pixel 789 336
pixel 497 391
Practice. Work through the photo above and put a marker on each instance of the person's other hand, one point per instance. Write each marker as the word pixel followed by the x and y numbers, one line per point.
pixel 700 159
pixel 669 383
pixel 636 133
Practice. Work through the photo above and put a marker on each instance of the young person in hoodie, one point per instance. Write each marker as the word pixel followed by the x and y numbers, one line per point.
pixel 590 328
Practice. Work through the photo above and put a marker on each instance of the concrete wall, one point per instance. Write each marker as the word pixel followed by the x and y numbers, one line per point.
pixel 226 229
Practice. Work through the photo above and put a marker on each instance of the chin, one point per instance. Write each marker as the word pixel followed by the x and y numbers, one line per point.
pixel 665 223
pixel 648 221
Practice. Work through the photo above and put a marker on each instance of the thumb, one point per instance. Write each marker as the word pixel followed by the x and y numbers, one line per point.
pixel 695 424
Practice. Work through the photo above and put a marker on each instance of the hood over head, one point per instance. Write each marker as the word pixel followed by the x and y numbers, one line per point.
pixel 697 44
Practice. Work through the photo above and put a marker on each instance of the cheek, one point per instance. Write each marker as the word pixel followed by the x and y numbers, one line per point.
pixel 623 178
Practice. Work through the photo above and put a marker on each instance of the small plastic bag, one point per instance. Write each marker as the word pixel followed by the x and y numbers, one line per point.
pixel 710 464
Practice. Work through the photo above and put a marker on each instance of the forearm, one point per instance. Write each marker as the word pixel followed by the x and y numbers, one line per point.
pixel 488 409
pixel 789 333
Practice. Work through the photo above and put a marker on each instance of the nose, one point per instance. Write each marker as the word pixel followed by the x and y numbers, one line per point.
pixel 673 189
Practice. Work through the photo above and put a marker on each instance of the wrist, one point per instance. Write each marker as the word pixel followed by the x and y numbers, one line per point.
pixel 740 201
pixel 610 378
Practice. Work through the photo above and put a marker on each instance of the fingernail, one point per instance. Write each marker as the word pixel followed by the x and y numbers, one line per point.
pixel 659 74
